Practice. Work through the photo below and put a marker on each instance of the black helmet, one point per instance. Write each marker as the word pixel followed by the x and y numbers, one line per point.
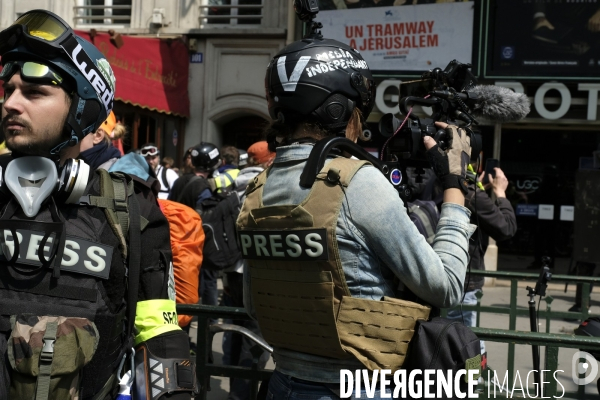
pixel 42 37
pixel 206 155
pixel 319 79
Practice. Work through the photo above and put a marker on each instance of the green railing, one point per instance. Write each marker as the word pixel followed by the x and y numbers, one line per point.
pixel 552 342
pixel 518 297
pixel 206 368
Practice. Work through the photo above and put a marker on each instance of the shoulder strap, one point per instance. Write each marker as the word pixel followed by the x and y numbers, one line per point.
pixel 117 198
pixel 133 273
pixel 163 178
pixel 115 190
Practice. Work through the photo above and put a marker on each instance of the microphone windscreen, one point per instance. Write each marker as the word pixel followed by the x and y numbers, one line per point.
pixel 500 104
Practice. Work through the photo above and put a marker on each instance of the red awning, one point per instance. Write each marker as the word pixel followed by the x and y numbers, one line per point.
pixel 150 73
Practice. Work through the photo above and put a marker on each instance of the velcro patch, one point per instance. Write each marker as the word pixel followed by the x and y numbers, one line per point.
pixel 296 245
pixel 79 256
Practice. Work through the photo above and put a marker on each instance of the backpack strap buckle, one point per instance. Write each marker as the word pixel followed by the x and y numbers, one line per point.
pixel 47 353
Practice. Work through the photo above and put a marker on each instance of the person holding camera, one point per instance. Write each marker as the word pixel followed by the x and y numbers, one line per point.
pixel 316 255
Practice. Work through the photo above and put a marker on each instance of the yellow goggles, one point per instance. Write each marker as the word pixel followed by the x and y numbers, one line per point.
pixel 42 25
pixel 40 30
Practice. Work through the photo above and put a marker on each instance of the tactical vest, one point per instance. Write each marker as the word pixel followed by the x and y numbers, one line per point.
pixel 80 292
pixel 299 290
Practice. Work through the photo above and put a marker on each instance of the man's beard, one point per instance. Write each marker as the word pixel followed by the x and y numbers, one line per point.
pixel 37 143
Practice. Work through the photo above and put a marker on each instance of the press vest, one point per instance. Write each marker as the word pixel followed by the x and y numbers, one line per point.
pixel 92 267
pixel 299 289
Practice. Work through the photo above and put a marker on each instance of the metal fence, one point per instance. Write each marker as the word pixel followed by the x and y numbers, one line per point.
pixel 552 342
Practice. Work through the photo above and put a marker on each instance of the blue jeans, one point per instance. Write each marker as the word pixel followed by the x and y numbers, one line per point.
pixel 284 387
pixel 469 317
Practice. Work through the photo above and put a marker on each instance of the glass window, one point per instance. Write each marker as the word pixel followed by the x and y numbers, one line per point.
pixel 103 12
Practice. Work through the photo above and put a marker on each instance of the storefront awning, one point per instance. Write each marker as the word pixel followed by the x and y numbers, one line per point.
pixel 150 73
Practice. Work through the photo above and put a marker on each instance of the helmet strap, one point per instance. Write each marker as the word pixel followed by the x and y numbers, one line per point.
pixel 72 129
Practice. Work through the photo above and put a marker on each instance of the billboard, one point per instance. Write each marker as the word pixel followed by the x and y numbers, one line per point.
pixel 543 39
pixel 395 35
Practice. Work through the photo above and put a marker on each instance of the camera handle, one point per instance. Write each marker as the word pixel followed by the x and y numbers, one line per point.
pixel 406 103
pixel 540 289
pixel 320 151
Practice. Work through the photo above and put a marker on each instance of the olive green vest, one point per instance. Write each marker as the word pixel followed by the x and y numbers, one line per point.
pixel 299 290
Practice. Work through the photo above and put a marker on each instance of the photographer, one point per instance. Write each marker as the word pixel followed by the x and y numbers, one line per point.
pixel 369 240
pixel 495 218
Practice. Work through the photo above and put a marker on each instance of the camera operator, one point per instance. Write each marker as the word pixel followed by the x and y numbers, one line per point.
pixel 370 240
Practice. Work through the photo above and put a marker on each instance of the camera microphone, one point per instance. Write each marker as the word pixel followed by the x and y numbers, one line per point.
pixel 500 104
pixel 496 103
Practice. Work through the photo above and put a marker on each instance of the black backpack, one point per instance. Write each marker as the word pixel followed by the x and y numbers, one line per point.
pixel 219 213
pixel 443 344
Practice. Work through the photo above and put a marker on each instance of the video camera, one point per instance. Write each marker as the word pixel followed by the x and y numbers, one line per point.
pixel 447 93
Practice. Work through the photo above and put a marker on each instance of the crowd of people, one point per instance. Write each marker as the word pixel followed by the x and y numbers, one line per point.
pixel 88 267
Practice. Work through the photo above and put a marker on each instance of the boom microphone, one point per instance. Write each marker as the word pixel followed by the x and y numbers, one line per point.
pixel 500 104
pixel 496 103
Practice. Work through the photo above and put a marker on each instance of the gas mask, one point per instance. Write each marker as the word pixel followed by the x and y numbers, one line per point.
pixel 32 180
pixel 35 182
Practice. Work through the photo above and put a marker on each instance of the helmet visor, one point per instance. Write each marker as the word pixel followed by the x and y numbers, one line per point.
pixel 31 72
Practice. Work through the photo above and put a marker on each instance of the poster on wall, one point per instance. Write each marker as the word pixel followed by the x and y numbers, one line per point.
pixel 402 35
pixel 543 39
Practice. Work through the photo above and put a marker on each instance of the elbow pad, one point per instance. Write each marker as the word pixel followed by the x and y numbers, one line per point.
pixel 163 368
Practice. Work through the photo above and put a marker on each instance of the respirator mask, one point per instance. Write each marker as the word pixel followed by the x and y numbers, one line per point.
pixel 35 182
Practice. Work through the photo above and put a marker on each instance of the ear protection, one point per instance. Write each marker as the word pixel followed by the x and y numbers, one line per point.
pixel 32 180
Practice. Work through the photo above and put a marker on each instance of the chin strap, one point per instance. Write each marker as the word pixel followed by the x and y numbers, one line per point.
pixel 72 127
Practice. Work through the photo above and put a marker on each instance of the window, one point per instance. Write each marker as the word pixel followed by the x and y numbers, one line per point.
pixel 231 12
pixel 103 12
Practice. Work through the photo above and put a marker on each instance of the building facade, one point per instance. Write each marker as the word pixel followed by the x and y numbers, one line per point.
pixel 229 44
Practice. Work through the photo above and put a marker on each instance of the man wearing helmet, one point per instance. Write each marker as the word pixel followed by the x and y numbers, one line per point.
pixel 320 256
pixel 204 158
pixel 77 292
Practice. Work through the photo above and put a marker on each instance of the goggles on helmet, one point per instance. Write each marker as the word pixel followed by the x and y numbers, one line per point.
pixel 41 30
pixel 149 151
pixel 31 72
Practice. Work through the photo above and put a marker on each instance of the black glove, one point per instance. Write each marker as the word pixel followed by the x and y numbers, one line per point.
pixel 450 166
